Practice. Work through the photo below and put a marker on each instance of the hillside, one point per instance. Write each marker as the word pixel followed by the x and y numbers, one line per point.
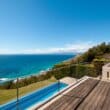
pixel 101 51
pixel 106 56
pixel 89 63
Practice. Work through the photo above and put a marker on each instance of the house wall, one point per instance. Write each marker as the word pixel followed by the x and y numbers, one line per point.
pixel 106 73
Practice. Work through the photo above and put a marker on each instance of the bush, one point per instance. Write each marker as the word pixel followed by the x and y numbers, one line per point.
pixel 98 66
pixel 76 71
pixel 94 52
pixel 6 85
pixel 60 65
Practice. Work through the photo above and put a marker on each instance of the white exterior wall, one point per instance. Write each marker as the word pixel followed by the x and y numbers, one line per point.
pixel 105 71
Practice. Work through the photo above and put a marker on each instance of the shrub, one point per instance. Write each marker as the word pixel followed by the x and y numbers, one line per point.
pixel 98 66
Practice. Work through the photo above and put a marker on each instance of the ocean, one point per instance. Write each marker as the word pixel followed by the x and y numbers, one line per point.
pixel 13 66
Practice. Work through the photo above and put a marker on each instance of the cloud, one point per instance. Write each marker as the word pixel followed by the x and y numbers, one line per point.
pixel 4 51
pixel 69 48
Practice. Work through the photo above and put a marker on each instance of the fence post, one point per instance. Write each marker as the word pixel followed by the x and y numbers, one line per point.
pixel 17 93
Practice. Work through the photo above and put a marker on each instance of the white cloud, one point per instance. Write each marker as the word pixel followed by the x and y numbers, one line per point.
pixel 69 48
pixel 4 51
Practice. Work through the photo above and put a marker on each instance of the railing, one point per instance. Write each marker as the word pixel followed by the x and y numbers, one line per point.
pixel 18 90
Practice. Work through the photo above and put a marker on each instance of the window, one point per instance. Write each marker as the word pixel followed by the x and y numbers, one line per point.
pixel 107 74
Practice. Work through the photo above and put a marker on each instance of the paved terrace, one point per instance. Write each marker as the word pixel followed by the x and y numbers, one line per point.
pixel 91 94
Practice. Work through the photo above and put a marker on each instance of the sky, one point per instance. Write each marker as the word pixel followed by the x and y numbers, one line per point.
pixel 53 26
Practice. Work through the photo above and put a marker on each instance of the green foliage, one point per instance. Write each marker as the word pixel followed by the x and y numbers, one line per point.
pixel 25 81
pixel 98 66
pixel 76 71
pixel 6 85
pixel 96 52
pixel 82 70
pixel 59 65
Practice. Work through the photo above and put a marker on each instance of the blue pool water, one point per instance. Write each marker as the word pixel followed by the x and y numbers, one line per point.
pixel 13 66
pixel 36 97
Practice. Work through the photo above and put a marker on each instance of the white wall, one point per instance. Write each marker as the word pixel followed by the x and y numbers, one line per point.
pixel 105 70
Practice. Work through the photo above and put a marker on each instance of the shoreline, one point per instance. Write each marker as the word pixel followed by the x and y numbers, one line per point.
pixel 34 74
pixel 27 76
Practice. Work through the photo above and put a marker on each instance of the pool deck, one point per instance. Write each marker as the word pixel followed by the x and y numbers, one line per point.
pixel 88 94
pixel 68 80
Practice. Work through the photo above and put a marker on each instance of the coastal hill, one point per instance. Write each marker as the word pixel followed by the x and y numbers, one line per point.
pixel 101 51
pixel 89 63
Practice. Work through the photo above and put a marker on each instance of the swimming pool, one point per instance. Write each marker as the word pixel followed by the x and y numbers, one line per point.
pixel 36 97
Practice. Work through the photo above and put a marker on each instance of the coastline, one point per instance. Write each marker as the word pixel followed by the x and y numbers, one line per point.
pixel 33 75
pixel 41 72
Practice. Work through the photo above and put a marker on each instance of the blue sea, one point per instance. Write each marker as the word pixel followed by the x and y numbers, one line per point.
pixel 13 66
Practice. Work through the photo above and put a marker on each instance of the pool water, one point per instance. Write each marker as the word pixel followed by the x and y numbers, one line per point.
pixel 36 97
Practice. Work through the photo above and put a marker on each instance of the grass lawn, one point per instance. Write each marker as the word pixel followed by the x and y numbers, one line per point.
pixel 7 95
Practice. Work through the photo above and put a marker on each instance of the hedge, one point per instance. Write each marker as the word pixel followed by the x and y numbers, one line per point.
pixel 76 71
